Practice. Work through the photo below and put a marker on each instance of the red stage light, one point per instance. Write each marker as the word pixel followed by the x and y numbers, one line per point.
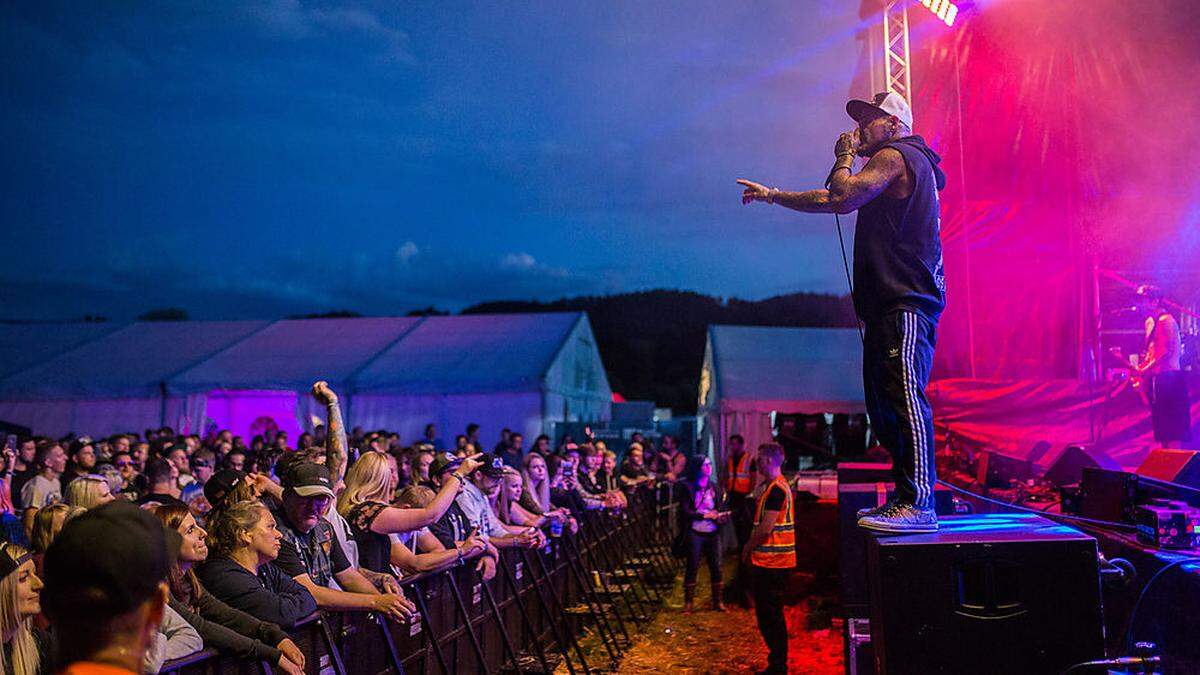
pixel 943 9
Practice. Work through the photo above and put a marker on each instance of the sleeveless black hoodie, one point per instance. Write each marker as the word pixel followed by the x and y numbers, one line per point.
pixel 897 247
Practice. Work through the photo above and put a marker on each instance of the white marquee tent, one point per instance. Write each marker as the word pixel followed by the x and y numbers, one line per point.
pixel 518 370
pixel 751 373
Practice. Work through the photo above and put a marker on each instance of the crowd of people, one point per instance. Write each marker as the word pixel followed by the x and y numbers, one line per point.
pixel 136 549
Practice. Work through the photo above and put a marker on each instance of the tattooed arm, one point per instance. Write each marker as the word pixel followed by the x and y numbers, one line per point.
pixel 336 446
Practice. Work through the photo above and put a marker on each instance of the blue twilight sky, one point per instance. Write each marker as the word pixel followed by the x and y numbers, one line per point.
pixel 259 159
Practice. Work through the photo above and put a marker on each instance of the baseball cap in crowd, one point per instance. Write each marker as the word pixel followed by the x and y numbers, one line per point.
pixel 493 466
pixel 9 564
pixel 220 484
pixel 444 461
pixel 884 103
pixel 107 562
pixel 309 479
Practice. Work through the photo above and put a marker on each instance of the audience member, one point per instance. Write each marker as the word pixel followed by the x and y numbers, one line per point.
pixel 513 453
pixel 366 504
pixel 670 462
pixel 88 492
pixel 426 546
pixel 162 485
pixel 242 541
pixel 43 488
pixel 229 630
pixel 701 504
pixel 20 603
pixel 473 500
pixel 312 556
pixel 105 588
pixel 81 460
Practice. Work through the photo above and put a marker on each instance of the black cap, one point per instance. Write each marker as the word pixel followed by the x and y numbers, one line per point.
pixel 493 466
pixel 220 484
pixel 309 479
pixel 77 445
pixel 106 562
pixel 443 462
pixel 9 564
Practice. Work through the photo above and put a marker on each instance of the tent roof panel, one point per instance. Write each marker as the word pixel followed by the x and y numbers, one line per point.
pixel 471 353
pixel 293 354
pixel 26 344
pixel 131 361
pixel 788 369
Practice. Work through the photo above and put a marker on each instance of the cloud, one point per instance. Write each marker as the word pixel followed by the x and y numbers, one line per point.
pixel 291 20
pixel 518 261
pixel 407 252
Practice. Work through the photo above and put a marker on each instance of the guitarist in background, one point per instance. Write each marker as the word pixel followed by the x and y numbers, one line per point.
pixel 1167 391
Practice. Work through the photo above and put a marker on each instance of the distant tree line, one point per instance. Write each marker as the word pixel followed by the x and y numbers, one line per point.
pixel 653 342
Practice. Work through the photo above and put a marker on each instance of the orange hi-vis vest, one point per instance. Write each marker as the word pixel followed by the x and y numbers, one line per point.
pixel 779 550
pixel 738 477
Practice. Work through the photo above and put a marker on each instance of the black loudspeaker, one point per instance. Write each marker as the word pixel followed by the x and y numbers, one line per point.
pixel 996 470
pixel 993 594
pixel 852 547
pixel 1173 466
pixel 1067 469
pixel 1108 495
pixel 864 472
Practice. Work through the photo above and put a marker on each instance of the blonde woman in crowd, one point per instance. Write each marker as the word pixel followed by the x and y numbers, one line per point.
pixel 20 602
pixel 47 523
pixel 365 503
pixel 88 492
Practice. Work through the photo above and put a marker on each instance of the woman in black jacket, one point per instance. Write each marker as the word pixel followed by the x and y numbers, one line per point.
pixel 244 540
pixel 701 514
pixel 227 629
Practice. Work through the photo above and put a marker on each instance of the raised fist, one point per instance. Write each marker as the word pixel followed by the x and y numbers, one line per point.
pixel 323 394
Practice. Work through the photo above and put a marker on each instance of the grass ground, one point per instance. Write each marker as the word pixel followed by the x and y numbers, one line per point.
pixel 728 642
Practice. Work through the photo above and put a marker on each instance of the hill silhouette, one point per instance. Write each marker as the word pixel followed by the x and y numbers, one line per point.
pixel 652 342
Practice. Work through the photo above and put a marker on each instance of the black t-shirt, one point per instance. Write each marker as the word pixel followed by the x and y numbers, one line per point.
pixel 776 498
pixel 452 527
pixel 161 499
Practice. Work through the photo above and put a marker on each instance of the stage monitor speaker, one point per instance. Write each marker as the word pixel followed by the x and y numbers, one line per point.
pixel 1173 466
pixel 1108 495
pixel 864 472
pixel 993 594
pixel 852 546
pixel 1067 469
pixel 996 470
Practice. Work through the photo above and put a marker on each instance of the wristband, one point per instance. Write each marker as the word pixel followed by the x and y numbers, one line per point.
pixel 771 194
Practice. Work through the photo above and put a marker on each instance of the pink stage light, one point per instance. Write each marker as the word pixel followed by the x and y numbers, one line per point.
pixel 943 9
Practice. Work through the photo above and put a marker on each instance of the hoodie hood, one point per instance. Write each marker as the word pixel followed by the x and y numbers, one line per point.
pixel 934 158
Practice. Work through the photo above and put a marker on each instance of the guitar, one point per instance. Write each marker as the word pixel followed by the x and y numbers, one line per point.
pixel 1138 381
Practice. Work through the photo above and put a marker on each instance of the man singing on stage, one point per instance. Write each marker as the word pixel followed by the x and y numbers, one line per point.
pixel 899 288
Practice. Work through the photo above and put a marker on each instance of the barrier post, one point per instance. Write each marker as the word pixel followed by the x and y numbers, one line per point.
pixel 525 617
pixel 595 607
pixel 430 633
pixel 541 564
pixel 466 616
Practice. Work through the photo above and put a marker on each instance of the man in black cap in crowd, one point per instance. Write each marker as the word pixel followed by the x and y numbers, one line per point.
pixel 454 527
pixel 899 288
pixel 473 500
pixel 311 555
pixel 106 589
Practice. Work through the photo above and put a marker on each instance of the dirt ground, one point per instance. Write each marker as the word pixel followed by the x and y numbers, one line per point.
pixel 727 642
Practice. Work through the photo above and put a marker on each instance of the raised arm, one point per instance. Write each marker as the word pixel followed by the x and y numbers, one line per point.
pixel 336 446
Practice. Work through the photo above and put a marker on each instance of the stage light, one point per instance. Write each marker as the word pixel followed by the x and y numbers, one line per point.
pixel 943 9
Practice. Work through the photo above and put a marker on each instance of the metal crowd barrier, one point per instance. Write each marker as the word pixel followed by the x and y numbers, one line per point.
pixel 533 616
